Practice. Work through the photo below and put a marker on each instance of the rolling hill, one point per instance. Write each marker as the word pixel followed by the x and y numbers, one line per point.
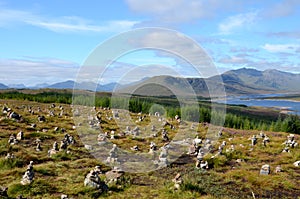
pixel 2 86
pixel 242 81
pixel 236 82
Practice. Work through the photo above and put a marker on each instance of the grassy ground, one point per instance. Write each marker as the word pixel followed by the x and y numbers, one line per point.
pixel 64 173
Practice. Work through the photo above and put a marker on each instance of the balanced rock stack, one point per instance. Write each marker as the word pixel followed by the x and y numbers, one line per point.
pixel 93 180
pixel 265 169
pixel 177 181
pixel 54 150
pixel 29 175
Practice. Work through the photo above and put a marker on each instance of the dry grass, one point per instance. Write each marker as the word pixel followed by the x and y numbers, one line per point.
pixel 64 173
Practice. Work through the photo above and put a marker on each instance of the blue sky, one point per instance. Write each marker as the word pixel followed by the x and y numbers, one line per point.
pixel 47 41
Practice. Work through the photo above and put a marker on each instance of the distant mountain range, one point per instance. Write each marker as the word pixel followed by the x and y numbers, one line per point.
pixel 2 86
pixel 236 82
pixel 243 81
pixel 64 85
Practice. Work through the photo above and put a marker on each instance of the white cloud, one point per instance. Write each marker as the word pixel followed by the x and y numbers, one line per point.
pixel 276 48
pixel 179 48
pixel 111 26
pixel 282 9
pixel 290 34
pixel 9 17
pixel 243 50
pixel 234 60
pixel 125 73
pixel 178 11
pixel 232 23
pixel 35 71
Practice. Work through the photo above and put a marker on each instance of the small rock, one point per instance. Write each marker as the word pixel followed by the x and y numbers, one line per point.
pixel 265 170
pixel 297 163
pixel 64 196
pixel 278 169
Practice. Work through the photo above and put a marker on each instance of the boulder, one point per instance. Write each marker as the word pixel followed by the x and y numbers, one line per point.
pixel 115 175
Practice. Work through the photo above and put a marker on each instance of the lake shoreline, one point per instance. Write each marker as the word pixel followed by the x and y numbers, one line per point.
pixel 282 102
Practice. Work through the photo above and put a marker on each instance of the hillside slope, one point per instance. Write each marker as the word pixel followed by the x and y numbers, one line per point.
pixel 235 82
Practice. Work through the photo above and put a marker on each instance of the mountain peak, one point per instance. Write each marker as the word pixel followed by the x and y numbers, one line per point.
pixel 275 71
pixel 247 71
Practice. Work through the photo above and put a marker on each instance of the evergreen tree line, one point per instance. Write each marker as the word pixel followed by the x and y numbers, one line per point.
pixel 43 97
pixel 201 113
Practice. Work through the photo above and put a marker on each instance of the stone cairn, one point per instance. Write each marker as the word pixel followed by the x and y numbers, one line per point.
pixel 278 169
pixel 102 138
pixel 153 128
pixel 163 157
pixel 63 145
pixel 164 135
pixel 9 156
pixel 112 135
pixel 20 136
pixel 177 181
pixel 265 138
pixel 290 143
pixel 221 147
pixel 54 150
pixel 253 140
pixel 113 156
pixel 93 180
pixel 29 175
pixel 136 131
pixel 153 148
pixel 41 118
pixel 135 148
pixel 194 146
pixel 200 163
pixel 69 139
pixel 192 150
pixel 38 147
pixel 12 140
pixel 265 169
